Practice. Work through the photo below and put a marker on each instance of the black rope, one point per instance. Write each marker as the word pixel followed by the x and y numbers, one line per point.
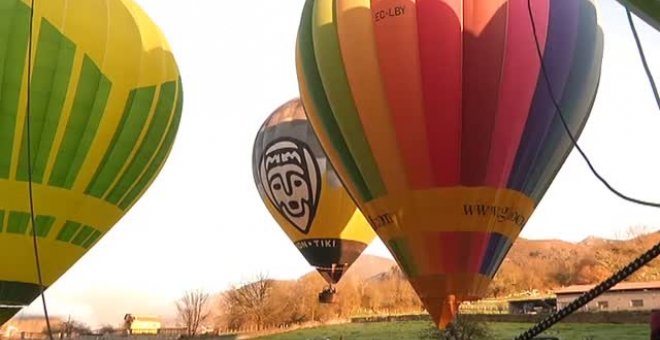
pixel 628 269
pixel 591 294
pixel 563 121
pixel 642 56
pixel 29 164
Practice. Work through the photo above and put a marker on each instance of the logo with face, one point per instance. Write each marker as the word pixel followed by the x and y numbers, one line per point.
pixel 291 179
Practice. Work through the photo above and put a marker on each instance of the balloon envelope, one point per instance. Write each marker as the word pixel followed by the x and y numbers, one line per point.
pixel 440 124
pixel 303 193
pixel 105 105
pixel 648 10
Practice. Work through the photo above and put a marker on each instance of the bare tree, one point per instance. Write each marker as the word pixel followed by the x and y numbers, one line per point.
pixel 251 301
pixel 69 328
pixel 193 310
pixel 107 329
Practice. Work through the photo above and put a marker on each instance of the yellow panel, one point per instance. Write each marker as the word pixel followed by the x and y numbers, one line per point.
pixel 62 203
pixel 481 209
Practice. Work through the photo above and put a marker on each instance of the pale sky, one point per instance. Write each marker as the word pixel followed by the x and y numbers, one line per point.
pixel 202 222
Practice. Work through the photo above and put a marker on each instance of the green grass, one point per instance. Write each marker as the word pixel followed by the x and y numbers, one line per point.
pixel 414 329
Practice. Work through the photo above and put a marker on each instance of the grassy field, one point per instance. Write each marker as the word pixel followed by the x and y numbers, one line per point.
pixel 417 329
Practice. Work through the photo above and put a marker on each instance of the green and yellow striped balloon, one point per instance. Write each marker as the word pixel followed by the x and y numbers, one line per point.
pixel 105 105
pixel 648 10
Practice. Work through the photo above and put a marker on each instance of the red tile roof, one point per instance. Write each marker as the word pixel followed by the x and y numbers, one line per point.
pixel 577 289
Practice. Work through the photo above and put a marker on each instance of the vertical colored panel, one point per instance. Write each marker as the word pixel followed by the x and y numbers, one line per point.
pixel 477 243
pixel 18 222
pixel 358 50
pixel 158 160
pixel 483 47
pixel 576 103
pixel 129 129
pixel 68 230
pixel 520 75
pixel 426 248
pixel 557 57
pixel 50 82
pixel 490 255
pixel 457 252
pixel 319 130
pixel 395 28
pixel 335 83
pixel 14 27
pixel 503 244
pixel 448 246
pixel 2 220
pixel 320 101
pixel 149 144
pixel 82 235
pixel 402 253
pixel 44 224
pixel 86 112
pixel 441 59
pixel 92 239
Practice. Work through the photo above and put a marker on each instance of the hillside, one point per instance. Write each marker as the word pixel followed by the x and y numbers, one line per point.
pixel 375 285
pixel 542 264
pixel 364 268
pixel 549 264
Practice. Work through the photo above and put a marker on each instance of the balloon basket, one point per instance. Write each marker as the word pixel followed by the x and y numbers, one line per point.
pixel 328 296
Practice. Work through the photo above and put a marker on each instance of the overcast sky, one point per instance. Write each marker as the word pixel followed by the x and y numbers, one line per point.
pixel 203 224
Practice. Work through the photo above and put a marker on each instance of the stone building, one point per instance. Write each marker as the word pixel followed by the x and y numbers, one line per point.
pixel 627 296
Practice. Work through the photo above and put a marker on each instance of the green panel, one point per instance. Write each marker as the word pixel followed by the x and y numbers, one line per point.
pixel 125 138
pixel 6 313
pixel 18 222
pixel 14 34
pixel 320 102
pixel 402 253
pixel 44 225
pixel 337 90
pixel 92 239
pixel 149 143
pixel 68 230
pixel 160 157
pixel 50 82
pixel 82 235
pixel 648 10
pixel 2 220
pixel 88 108
pixel 17 294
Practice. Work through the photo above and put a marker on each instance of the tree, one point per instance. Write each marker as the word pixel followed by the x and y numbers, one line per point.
pixel 193 310
pixel 69 328
pixel 461 329
pixel 107 329
pixel 249 303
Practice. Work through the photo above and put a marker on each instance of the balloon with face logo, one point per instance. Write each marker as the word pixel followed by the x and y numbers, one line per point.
pixel 441 125
pixel 105 102
pixel 303 193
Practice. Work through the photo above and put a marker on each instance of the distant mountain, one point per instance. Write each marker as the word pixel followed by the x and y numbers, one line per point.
pixel 365 267
pixel 376 286
pixel 542 264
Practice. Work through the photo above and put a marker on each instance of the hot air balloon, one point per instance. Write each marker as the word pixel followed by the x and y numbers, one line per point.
pixel 304 195
pixel 648 10
pixel 105 104
pixel 440 123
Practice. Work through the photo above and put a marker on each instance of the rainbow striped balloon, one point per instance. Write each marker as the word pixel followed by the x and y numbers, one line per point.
pixel 440 123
